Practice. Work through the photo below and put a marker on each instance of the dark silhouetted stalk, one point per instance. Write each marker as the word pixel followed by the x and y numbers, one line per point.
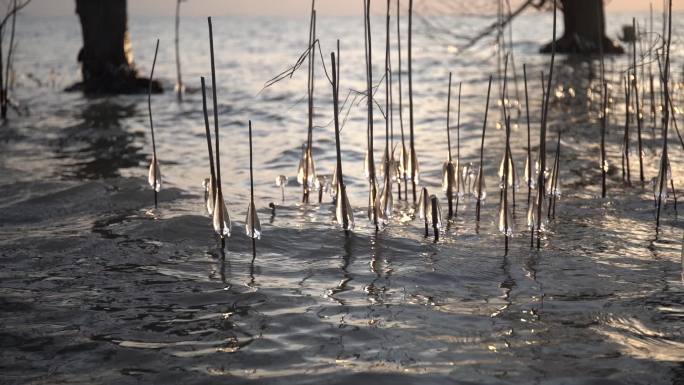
pixel 542 133
pixel 635 85
pixel 458 150
pixel 251 212
pixel 308 160
pixel 654 119
pixel 344 216
pixel 528 172
pixel 449 171
pixel 604 102
pixel 604 162
pixel 383 201
pixel 373 191
pixel 508 158
pixel 478 202
pixel 212 182
pixel 220 217
pixel 626 174
pixel 551 211
pixel 506 170
pixel 434 205
pixel 412 157
pixel 513 67
pixel 650 71
pixel 403 160
pixel 155 173
pixel 666 113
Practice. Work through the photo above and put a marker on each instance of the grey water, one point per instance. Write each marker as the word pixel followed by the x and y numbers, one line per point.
pixel 97 287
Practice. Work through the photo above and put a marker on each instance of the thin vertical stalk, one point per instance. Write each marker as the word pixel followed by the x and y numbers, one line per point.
pixel 401 116
pixel 219 189
pixel 604 98
pixel 410 77
pixel 542 132
pixel 666 120
pixel 638 109
pixel 387 94
pixel 434 205
pixel 310 91
pixel 251 189
pixel 529 145
pixel 340 180
pixel 448 119
pixel 149 109
pixel 550 212
pixel 603 164
pixel 208 134
pixel 650 71
pixel 481 170
pixel 626 176
pixel 449 192
pixel 458 149
pixel 506 170
pixel 369 80
pixel 513 67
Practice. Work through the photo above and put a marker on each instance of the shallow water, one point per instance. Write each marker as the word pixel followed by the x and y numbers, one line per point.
pixel 97 288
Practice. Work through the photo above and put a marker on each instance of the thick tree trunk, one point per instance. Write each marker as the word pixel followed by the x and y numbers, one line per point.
pixel 106 60
pixel 585 30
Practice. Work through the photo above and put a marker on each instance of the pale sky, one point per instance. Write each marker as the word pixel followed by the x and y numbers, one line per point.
pixel 277 7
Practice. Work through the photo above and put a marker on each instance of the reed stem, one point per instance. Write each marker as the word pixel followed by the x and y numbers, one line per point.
pixel 340 180
pixel 506 170
pixel 434 204
pixel 458 148
pixel 401 116
pixel 481 169
pixel 666 120
pixel 412 155
pixel 387 94
pixel 219 190
pixel 449 186
pixel 635 84
pixel 208 134
pixel 370 148
pixel 542 132
pixel 626 173
pixel 310 91
pixel 149 109
pixel 252 212
pixel 529 145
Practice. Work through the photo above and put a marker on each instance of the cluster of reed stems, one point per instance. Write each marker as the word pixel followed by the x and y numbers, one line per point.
pixel 457 179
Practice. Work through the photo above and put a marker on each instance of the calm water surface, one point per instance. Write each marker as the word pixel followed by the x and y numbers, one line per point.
pixel 95 288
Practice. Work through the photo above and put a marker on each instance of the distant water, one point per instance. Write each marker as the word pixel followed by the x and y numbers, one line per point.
pixel 94 288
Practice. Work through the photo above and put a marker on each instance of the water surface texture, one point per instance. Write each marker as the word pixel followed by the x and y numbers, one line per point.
pixel 97 288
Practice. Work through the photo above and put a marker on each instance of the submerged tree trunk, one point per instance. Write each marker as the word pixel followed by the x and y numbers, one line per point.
pixel 585 30
pixel 106 58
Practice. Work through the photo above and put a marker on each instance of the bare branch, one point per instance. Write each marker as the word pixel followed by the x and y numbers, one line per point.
pixel 12 10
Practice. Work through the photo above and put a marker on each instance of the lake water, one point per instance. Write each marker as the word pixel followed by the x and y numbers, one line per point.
pixel 97 288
